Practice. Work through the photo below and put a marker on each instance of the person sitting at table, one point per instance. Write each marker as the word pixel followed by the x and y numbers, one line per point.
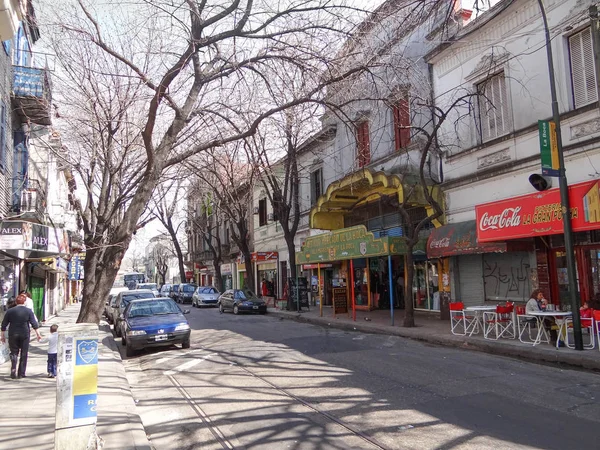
pixel 537 302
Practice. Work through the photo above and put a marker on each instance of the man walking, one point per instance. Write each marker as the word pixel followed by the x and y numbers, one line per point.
pixel 19 318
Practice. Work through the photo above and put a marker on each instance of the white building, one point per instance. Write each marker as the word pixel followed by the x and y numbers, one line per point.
pixel 491 149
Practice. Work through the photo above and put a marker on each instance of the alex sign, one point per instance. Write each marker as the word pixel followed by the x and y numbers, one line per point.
pixel 539 214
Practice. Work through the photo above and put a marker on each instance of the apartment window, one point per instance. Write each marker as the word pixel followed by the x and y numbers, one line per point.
pixel 583 74
pixel 401 113
pixel 3 126
pixel 363 144
pixel 494 114
pixel 316 185
pixel 262 212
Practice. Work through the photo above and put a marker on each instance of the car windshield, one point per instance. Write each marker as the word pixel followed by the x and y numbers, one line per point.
pixel 245 295
pixel 127 298
pixel 209 291
pixel 189 288
pixel 153 308
pixel 147 286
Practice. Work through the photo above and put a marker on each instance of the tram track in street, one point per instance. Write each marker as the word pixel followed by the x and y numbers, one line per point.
pixel 227 444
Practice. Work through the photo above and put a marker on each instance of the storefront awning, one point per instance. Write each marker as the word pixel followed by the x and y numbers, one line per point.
pixel 459 239
pixel 362 187
pixel 351 243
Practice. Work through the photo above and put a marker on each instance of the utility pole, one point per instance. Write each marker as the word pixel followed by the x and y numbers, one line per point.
pixel 564 193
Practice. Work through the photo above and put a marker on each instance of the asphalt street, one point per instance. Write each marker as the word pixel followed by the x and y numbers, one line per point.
pixel 258 382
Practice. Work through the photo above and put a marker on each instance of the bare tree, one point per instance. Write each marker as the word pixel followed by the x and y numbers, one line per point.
pixel 164 208
pixel 227 175
pixel 162 255
pixel 135 88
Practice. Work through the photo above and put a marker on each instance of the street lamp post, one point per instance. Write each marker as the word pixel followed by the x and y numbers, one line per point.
pixel 564 193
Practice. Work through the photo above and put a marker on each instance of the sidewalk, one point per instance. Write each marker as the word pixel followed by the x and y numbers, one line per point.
pixel 435 331
pixel 28 405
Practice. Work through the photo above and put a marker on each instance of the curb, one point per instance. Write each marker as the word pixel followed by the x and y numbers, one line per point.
pixel 529 354
pixel 120 406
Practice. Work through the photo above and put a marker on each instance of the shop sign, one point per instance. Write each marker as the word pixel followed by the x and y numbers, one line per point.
pixel 539 214
pixel 21 235
pixel 348 243
pixel 226 269
pixel 75 267
pixel 189 274
pixel 264 256
pixel 316 266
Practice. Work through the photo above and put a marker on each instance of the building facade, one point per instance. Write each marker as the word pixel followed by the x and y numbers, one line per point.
pixel 504 236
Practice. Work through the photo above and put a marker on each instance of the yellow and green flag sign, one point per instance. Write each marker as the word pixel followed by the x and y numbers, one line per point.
pixel 548 148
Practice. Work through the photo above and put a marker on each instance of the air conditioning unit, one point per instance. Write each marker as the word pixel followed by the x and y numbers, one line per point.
pixel 270 217
pixel 256 210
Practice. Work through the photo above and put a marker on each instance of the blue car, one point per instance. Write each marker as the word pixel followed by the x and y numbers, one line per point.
pixel 154 322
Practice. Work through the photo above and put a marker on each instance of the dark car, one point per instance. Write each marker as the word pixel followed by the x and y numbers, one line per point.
pixel 174 291
pixel 121 302
pixel 154 322
pixel 185 293
pixel 240 300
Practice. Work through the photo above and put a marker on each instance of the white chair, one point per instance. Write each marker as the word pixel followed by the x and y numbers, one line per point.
pixel 525 324
pixel 500 323
pixel 460 323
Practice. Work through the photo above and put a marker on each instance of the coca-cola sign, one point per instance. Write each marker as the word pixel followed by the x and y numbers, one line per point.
pixel 508 218
pixel 539 214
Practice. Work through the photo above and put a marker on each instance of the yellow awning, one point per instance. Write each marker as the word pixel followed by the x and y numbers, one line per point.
pixel 360 188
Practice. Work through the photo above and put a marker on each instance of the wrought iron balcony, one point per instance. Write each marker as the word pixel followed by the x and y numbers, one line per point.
pixel 32 94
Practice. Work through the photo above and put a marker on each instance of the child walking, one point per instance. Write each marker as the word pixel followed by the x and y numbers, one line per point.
pixel 52 351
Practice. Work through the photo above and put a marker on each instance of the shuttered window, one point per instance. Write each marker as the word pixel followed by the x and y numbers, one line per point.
pixel 363 144
pixel 583 75
pixel 401 112
pixel 494 112
pixel 316 186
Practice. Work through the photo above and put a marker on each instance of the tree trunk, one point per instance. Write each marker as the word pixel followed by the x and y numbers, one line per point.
pixel 291 255
pixel 101 269
pixel 218 281
pixel 179 254
pixel 409 311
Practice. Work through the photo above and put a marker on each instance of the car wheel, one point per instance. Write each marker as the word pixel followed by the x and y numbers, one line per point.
pixel 221 310
pixel 185 344
pixel 236 309
pixel 129 351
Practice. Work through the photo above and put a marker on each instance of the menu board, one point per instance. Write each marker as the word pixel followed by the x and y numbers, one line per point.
pixel 301 291
pixel 340 301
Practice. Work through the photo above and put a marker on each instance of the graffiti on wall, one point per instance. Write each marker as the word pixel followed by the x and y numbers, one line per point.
pixel 507 276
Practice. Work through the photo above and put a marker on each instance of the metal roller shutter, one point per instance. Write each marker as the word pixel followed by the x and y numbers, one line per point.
pixel 470 269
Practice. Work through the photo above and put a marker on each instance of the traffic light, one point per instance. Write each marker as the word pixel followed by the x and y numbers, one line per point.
pixel 540 182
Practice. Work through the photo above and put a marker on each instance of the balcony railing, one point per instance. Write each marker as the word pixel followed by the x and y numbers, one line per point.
pixel 32 93
pixel 32 199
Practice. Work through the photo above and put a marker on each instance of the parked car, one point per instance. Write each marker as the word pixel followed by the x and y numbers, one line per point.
pixel 112 297
pixel 165 290
pixel 152 286
pixel 174 291
pixel 205 295
pixel 185 293
pixel 239 300
pixel 121 302
pixel 154 322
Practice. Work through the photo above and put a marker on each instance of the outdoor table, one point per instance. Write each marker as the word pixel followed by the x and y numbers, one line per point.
pixel 478 314
pixel 540 315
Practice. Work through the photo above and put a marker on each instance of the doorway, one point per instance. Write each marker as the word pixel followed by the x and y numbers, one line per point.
pixel 37 286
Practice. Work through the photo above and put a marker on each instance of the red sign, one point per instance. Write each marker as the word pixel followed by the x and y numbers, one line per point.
pixel 539 214
pixel 189 274
pixel 264 256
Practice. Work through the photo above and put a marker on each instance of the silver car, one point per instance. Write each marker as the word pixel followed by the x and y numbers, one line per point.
pixel 205 296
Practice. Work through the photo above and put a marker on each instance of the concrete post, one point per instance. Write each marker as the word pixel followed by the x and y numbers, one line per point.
pixel 76 386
